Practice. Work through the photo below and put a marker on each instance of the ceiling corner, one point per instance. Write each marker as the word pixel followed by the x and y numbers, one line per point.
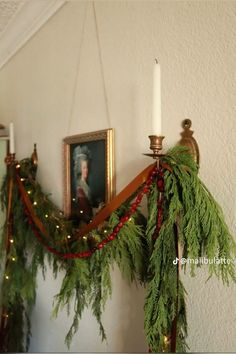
pixel 20 23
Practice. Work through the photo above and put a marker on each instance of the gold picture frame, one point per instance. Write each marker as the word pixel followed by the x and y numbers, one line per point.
pixel 89 177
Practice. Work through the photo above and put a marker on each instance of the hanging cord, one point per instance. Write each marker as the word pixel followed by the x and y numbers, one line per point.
pixel 78 68
pixel 101 66
pixel 77 71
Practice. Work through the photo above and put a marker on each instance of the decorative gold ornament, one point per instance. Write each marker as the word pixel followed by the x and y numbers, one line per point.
pixel 189 141
pixel 34 156
pixel 10 159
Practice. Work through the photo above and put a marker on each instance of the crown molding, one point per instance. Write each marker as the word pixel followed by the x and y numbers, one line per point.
pixel 27 21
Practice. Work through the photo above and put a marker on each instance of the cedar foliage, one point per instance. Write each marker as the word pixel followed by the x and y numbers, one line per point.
pixel 190 214
pixel 192 211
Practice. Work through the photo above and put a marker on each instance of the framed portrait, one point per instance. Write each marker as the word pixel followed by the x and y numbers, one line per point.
pixel 89 178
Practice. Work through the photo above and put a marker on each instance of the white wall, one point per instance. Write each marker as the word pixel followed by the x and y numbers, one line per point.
pixel 54 87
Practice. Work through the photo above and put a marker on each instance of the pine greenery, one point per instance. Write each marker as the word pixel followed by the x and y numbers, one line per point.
pixel 191 217
pixel 192 211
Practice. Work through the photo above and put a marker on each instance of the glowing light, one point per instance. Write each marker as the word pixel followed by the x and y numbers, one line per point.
pixel 13 259
pixel 46 215
pixel 130 219
pixel 166 339
pixel 11 240
pixel 69 236
pixel 84 237
pixel 81 211
pixel 6 277
pixel 105 231
pixel 18 165
pixel 73 199
pixel 22 179
pixel 57 226
pixel 35 203
pixel 29 192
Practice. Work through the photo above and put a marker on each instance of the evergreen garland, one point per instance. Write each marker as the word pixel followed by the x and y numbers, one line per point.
pixel 143 249
pixel 192 213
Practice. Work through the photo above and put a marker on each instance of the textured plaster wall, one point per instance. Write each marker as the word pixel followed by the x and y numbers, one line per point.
pixel 54 87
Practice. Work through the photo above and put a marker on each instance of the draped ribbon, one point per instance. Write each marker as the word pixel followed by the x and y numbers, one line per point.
pixel 146 176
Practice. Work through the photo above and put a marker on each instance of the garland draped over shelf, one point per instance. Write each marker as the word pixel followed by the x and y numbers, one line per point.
pixel 181 211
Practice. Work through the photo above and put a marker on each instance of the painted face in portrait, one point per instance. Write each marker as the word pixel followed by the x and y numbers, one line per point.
pixel 84 169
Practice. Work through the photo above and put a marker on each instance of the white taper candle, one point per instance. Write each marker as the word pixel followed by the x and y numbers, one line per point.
pixel 12 141
pixel 156 108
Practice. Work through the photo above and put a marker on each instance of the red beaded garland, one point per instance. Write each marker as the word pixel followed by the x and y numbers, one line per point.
pixel 146 190
pixel 122 221
pixel 160 184
pixel 111 237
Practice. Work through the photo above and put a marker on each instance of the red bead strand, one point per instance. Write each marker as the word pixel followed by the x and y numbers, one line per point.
pixel 122 221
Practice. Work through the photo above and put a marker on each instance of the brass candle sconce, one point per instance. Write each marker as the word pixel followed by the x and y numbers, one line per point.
pixel 155 146
pixel 34 156
pixel 189 141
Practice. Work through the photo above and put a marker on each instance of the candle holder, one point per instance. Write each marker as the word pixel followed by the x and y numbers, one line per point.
pixel 155 146
pixel 10 159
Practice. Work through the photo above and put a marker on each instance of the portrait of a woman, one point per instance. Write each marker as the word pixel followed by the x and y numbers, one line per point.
pixel 82 192
pixel 89 180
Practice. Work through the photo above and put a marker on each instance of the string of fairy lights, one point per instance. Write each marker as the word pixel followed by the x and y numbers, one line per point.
pixel 60 223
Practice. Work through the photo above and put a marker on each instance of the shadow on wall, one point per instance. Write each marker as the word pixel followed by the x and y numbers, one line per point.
pixel 134 338
pixel 125 333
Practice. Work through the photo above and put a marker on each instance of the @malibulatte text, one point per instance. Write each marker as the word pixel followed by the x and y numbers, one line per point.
pixel 203 260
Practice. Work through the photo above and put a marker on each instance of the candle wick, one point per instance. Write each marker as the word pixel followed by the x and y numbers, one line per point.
pixel 156 60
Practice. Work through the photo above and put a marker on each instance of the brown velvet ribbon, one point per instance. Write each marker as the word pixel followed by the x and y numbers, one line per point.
pixel 102 215
pixel 29 206
pixel 117 201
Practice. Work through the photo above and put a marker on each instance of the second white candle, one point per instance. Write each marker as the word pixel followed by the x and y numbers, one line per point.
pixel 12 139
